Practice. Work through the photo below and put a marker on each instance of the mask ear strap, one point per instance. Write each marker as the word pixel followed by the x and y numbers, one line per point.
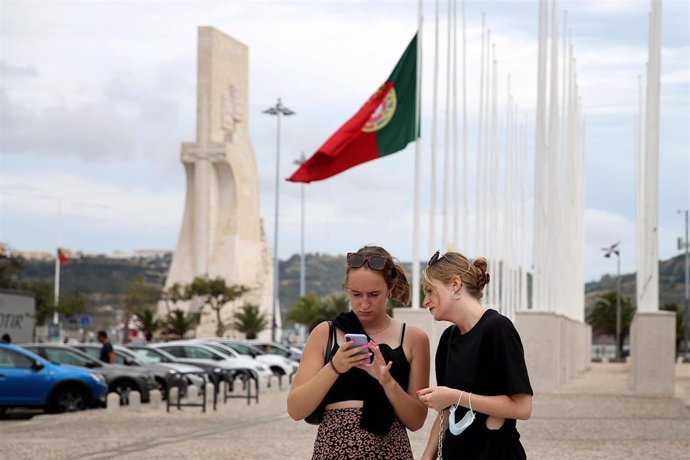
pixel 469 396
pixel 460 398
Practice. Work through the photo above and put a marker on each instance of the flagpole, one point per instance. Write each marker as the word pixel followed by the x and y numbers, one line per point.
pixel 454 234
pixel 464 134
pixel 480 156
pixel 434 135
pixel 447 141
pixel 56 293
pixel 417 161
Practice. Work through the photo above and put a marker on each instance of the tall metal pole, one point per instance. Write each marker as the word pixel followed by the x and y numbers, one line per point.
pixel 302 265
pixel 277 110
pixel 686 311
pixel 618 307
pixel 613 249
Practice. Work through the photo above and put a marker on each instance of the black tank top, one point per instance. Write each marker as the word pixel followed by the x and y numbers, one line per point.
pixel 349 386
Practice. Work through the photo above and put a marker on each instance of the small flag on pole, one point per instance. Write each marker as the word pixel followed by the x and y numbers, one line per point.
pixel 385 124
pixel 62 256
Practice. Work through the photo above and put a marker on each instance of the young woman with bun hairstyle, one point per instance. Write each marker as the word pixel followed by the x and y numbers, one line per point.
pixel 482 383
pixel 364 409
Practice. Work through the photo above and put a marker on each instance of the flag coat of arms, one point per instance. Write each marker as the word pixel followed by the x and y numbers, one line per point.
pixel 384 125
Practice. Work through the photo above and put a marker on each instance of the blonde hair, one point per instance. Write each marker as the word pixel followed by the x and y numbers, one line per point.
pixel 471 272
pixel 393 273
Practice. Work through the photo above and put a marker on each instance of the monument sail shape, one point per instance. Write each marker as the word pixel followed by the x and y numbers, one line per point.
pixel 221 234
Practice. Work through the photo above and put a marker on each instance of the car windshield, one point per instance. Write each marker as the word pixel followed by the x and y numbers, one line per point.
pixel 146 353
pixel 147 356
pixel 223 349
pixel 243 348
pixel 65 356
pixel 272 349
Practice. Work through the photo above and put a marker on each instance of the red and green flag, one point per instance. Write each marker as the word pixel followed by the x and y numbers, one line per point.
pixel 62 256
pixel 385 124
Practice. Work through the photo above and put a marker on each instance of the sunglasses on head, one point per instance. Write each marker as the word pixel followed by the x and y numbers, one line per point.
pixel 356 260
pixel 435 258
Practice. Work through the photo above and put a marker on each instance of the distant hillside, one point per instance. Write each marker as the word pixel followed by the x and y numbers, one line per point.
pixel 102 280
pixel 671 283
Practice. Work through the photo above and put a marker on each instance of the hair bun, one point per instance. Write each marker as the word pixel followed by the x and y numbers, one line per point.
pixel 480 264
pixel 483 279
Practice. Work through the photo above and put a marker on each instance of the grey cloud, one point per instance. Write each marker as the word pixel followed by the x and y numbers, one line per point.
pixel 125 121
pixel 11 71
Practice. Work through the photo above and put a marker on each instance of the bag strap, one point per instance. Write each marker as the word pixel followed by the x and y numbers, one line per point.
pixel 331 341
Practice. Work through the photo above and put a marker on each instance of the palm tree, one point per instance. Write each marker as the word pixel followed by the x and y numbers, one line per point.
pixel 178 323
pixel 306 311
pixel 250 321
pixel 148 323
pixel 333 305
pixel 173 294
pixel 602 318
pixel 216 294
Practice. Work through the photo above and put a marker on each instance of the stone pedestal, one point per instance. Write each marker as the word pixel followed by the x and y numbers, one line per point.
pixel 652 353
pixel 556 347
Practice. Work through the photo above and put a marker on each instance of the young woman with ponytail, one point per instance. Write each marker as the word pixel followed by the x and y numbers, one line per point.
pixel 367 407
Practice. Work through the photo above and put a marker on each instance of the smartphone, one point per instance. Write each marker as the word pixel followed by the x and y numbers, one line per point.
pixel 359 340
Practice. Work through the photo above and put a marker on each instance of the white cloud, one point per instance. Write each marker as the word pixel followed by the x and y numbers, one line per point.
pixel 115 82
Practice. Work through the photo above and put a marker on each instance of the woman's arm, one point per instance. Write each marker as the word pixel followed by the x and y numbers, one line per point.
pixel 517 406
pixel 314 378
pixel 408 408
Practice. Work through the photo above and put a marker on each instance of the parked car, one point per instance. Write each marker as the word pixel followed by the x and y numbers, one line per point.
pixel 147 353
pixel 165 376
pixel 130 358
pixel 120 379
pixel 276 349
pixel 28 380
pixel 279 365
pixel 189 350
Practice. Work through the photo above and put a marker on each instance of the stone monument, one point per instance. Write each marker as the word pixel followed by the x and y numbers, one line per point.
pixel 222 232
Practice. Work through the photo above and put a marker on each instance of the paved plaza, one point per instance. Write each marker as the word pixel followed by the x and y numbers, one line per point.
pixel 595 416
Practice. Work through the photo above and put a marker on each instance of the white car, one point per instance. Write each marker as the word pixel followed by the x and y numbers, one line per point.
pixel 276 349
pixel 183 349
pixel 279 365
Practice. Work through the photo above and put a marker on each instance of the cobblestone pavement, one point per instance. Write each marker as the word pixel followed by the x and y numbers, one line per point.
pixel 595 416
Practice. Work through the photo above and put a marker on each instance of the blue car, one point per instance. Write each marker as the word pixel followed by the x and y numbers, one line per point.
pixel 27 380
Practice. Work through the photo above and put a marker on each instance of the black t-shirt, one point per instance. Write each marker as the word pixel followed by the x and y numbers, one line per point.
pixel 487 360
pixel 106 349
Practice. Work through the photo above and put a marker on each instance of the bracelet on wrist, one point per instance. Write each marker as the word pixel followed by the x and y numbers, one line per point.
pixel 337 372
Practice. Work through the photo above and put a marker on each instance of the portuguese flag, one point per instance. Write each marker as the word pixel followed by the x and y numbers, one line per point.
pixel 385 124
pixel 62 256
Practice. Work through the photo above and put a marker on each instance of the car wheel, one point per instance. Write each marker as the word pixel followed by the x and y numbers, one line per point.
pixel 124 388
pixel 68 399
pixel 277 371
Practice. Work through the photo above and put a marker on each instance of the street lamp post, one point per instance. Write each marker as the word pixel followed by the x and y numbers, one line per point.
pixel 686 311
pixel 613 249
pixel 302 265
pixel 278 109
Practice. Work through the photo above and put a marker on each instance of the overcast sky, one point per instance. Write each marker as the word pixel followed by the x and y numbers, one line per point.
pixel 97 96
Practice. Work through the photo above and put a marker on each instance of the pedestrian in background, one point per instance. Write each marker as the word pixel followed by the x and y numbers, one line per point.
pixel 367 407
pixel 107 353
pixel 483 386
pixel 6 338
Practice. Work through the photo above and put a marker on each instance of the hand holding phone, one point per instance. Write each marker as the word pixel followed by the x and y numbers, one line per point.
pixel 358 341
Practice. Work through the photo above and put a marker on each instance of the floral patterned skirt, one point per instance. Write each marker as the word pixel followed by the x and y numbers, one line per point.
pixel 340 437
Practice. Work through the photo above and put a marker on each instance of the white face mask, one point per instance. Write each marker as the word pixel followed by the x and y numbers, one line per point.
pixel 457 428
